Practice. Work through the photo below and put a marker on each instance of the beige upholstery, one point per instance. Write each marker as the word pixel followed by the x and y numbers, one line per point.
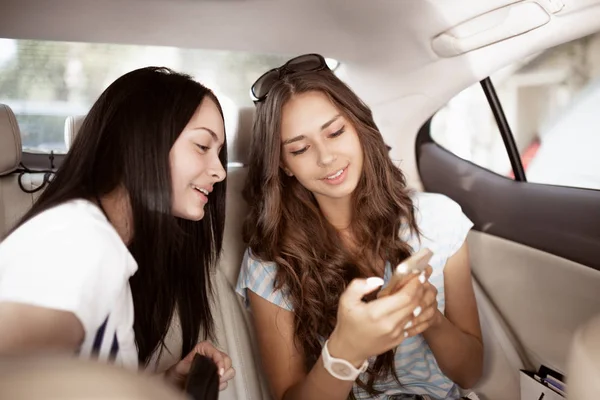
pixel 72 125
pixel 14 202
pixel 583 374
pixel 239 141
pixel 501 358
pixel 10 141
pixel 542 297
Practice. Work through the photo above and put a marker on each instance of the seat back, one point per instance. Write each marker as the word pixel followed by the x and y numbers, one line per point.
pixel 583 374
pixel 72 125
pixel 18 189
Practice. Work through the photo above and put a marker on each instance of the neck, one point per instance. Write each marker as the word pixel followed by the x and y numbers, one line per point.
pixel 338 212
pixel 118 210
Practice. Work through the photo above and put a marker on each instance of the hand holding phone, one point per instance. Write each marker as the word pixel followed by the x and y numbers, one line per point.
pixel 202 382
pixel 407 269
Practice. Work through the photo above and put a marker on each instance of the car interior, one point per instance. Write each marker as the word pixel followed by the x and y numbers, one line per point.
pixel 490 102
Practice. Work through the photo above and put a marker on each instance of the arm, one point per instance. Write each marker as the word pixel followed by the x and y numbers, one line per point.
pixel 362 330
pixel 455 339
pixel 25 328
pixel 51 297
pixel 284 364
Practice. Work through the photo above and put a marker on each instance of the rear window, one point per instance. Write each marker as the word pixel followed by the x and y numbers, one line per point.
pixel 44 82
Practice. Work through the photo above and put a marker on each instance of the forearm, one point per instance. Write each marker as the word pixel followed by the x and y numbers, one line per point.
pixel 319 384
pixel 29 329
pixel 459 354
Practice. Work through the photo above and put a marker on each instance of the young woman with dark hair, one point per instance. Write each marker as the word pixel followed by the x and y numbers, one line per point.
pixel 122 242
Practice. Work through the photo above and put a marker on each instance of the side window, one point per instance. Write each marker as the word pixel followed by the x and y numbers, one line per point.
pixel 551 102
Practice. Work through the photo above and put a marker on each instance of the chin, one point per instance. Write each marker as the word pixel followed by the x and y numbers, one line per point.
pixel 197 216
pixel 191 215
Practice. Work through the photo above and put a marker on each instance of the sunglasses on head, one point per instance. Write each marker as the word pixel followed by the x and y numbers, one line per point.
pixel 305 63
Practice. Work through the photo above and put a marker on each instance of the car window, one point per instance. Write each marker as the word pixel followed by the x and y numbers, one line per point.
pixel 551 101
pixel 45 81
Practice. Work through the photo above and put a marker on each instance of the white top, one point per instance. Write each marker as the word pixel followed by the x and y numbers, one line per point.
pixel 70 258
pixel 444 229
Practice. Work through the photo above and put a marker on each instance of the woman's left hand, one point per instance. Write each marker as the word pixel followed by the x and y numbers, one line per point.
pixel 427 314
pixel 179 372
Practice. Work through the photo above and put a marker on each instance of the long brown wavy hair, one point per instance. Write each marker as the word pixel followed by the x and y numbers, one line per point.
pixel 286 226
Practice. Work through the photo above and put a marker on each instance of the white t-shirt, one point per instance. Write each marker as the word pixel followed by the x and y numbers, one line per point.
pixel 70 258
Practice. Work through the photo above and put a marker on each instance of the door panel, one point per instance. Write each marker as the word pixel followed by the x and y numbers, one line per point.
pixel 559 220
pixel 542 297
pixel 535 253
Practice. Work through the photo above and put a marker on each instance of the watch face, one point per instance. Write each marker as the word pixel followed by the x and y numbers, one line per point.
pixel 341 369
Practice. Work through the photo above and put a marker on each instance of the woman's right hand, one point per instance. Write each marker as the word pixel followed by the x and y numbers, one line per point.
pixel 368 329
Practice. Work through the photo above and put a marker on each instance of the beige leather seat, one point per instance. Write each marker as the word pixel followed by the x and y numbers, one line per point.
pixel 72 125
pixel 583 375
pixel 14 201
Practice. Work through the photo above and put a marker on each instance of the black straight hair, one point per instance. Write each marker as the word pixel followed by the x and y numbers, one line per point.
pixel 125 141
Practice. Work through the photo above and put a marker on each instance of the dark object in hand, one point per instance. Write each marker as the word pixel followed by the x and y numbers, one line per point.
pixel 203 379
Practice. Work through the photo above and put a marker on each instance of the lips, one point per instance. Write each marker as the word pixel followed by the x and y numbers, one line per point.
pixel 335 174
pixel 202 190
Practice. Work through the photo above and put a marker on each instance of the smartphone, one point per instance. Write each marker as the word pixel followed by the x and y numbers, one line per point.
pixel 202 382
pixel 413 265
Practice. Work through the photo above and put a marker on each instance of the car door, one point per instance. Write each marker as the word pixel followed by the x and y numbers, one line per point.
pixel 535 247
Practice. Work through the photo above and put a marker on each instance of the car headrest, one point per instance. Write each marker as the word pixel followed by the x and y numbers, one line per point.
pixel 239 140
pixel 238 132
pixel 10 141
pixel 72 125
pixel 583 375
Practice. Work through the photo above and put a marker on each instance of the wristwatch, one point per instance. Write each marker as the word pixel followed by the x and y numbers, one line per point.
pixel 340 368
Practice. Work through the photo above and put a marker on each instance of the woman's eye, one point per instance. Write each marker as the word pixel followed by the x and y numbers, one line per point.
pixel 298 152
pixel 203 148
pixel 338 133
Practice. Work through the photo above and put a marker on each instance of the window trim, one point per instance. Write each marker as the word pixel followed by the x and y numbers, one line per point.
pixel 504 128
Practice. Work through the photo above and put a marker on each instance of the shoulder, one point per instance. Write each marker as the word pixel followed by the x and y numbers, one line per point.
pixel 441 222
pixel 259 277
pixel 67 258
pixel 77 225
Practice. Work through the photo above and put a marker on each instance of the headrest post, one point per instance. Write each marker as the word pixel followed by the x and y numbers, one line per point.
pixel 51 157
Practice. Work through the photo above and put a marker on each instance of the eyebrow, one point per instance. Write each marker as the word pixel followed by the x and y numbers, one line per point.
pixel 212 133
pixel 323 127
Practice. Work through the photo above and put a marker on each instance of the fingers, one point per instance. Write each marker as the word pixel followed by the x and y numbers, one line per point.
pixel 418 311
pixel 425 313
pixel 227 363
pixel 207 349
pixel 358 288
pixel 401 303
pixel 228 375
pixel 422 323
pixel 428 271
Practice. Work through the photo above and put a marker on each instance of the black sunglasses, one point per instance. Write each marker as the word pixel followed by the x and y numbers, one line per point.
pixel 300 64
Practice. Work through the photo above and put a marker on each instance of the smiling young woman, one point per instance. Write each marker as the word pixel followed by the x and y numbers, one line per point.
pixel 328 208
pixel 125 236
